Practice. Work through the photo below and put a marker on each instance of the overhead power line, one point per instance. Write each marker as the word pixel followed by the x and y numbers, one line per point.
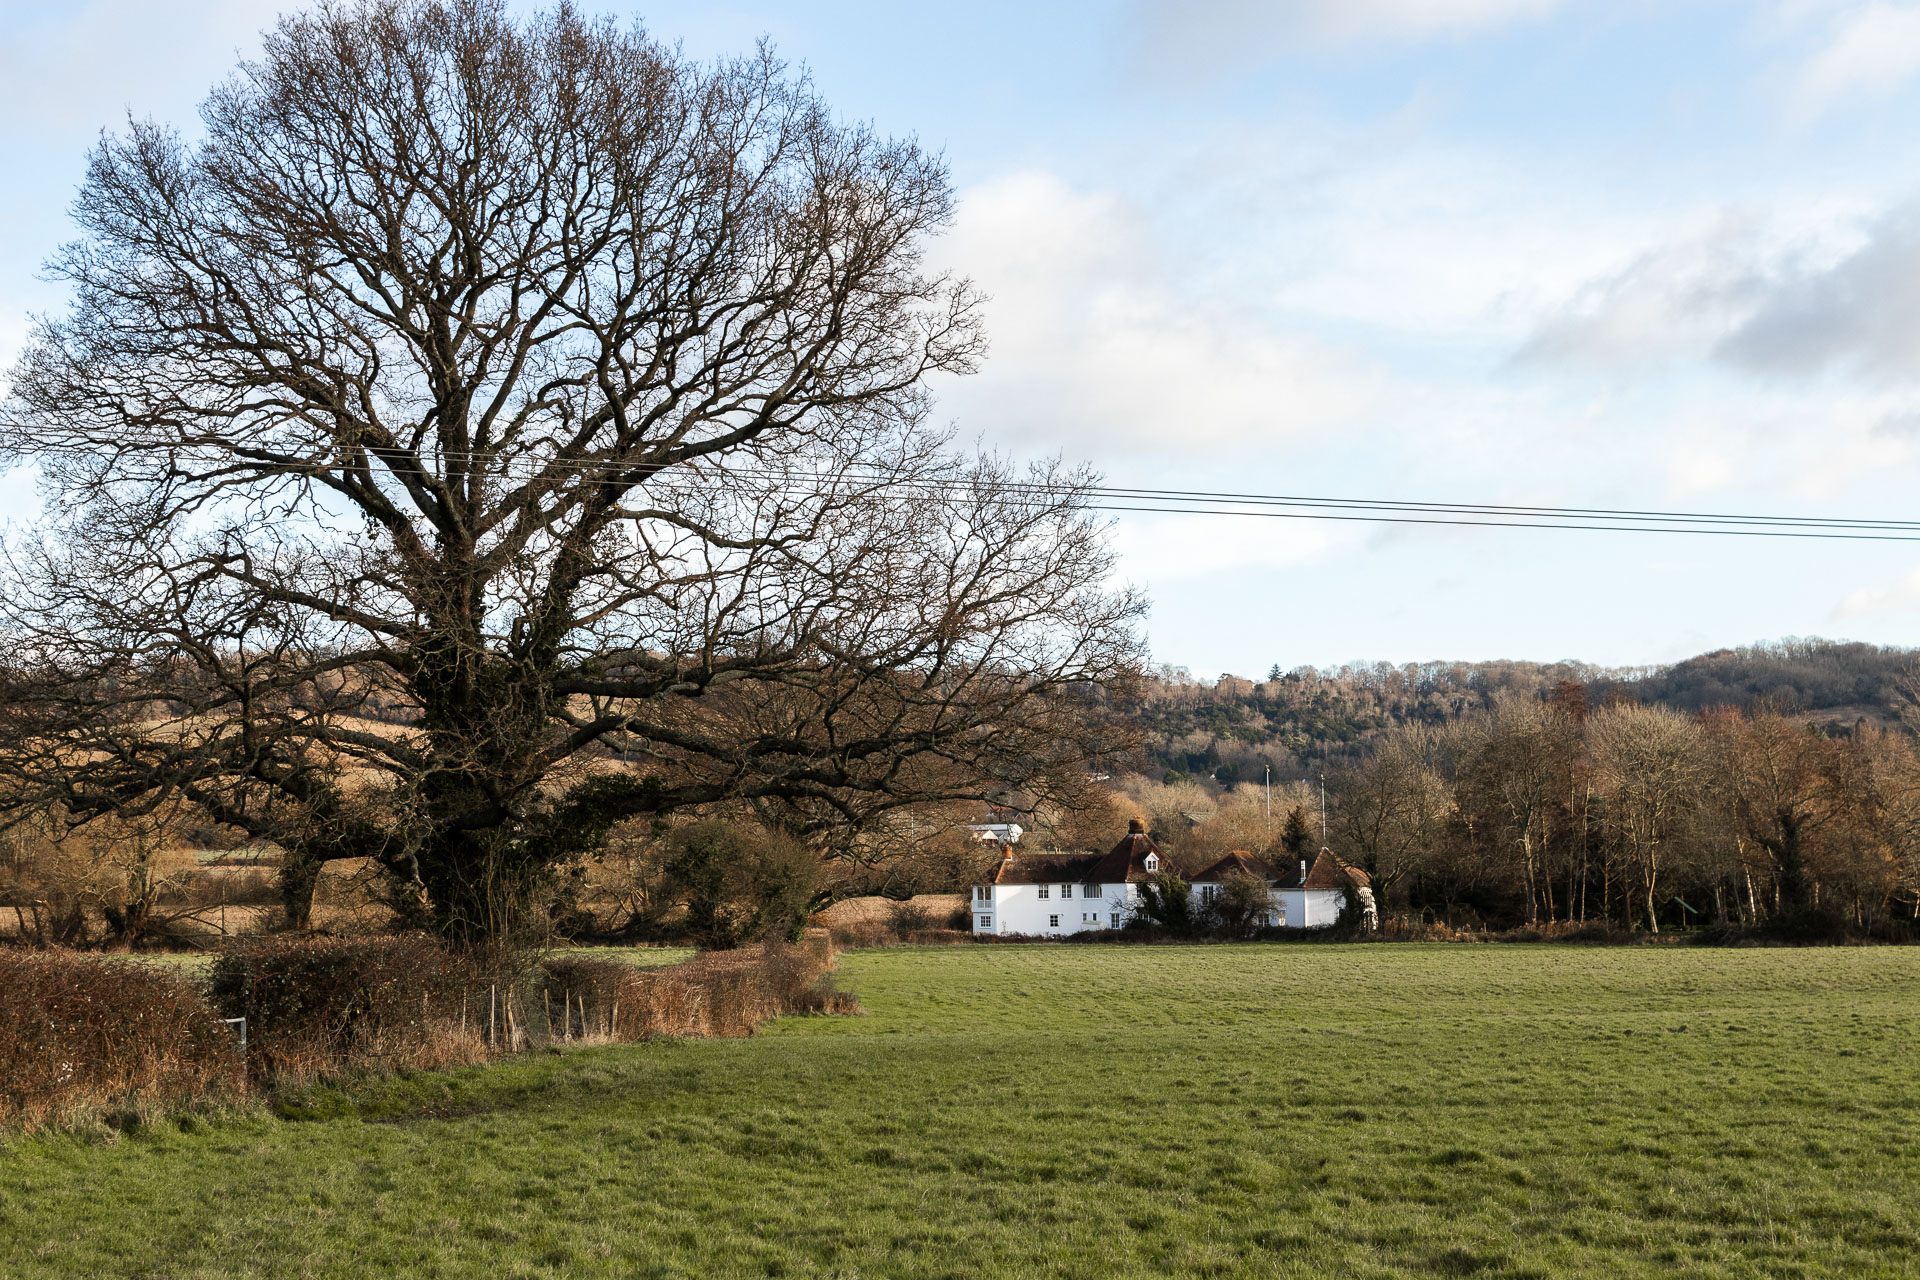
pixel 1130 500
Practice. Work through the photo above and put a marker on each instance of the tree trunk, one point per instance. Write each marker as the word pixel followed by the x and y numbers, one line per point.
pixel 299 875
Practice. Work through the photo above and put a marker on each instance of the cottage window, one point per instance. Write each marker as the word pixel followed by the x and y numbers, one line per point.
pixel 1115 919
pixel 1066 891
pixel 1206 893
pixel 1153 862
pixel 1089 890
pixel 1045 891
pixel 1053 922
pixel 981 893
pixel 986 922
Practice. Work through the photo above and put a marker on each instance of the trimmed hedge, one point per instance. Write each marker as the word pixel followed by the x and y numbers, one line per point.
pixel 319 1005
pixel 83 1035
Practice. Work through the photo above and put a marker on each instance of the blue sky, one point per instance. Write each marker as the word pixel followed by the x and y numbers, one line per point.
pixel 1524 251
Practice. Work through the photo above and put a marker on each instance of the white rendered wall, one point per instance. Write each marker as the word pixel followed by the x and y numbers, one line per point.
pixel 1311 908
pixel 1019 908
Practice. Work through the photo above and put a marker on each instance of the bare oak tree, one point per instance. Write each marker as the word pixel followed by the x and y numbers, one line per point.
pixel 489 431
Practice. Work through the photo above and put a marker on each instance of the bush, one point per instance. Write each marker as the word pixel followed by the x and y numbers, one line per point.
pixel 81 1034
pixel 320 1005
pixel 739 882
pixel 907 916
pixel 718 994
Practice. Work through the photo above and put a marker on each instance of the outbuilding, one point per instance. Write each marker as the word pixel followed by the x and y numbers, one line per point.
pixel 1306 895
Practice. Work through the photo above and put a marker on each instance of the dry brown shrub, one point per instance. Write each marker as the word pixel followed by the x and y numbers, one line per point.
pixel 226 886
pixel 722 993
pixel 317 1006
pixel 941 937
pixel 80 1034
pixel 862 934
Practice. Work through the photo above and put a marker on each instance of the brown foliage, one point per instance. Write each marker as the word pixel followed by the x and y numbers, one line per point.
pixel 80 1034
pixel 717 994
pixel 320 1005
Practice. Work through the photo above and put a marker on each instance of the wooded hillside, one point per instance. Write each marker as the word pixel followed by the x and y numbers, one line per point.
pixel 1303 720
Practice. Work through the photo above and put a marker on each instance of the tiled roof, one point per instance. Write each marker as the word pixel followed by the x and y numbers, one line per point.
pixel 1325 872
pixel 1049 868
pixel 1125 863
pixel 1238 862
pixel 1328 872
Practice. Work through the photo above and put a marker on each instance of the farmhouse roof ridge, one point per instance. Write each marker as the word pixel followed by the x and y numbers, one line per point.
pixel 1047 868
pixel 1242 862
pixel 1327 871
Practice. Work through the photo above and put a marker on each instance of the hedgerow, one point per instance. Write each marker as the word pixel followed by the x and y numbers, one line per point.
pixel 81 1035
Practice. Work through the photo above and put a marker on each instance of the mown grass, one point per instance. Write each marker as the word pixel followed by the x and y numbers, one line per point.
pixel 1093 1111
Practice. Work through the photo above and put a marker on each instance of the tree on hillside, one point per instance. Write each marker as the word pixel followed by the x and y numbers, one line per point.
pixel 495 430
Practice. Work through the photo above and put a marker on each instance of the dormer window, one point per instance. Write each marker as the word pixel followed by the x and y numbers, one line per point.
pixel 1153 862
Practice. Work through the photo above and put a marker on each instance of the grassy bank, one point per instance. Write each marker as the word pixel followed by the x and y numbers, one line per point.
pixel 1094 1111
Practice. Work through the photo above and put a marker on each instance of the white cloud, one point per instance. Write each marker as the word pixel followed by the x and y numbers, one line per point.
pixel 1862 311
pixel 1159 550
pixel 1677 298
pixel 1840 294
pixel 1899 596
pixel 1096 351
pixel 1875 49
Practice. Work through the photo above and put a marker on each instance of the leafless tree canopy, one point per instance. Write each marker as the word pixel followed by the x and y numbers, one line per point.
pixel 492 430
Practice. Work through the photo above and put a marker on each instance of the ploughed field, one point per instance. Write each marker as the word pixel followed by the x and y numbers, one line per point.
pixel 1279 1110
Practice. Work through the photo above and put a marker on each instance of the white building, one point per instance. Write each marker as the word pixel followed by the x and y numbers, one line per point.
pixel 1004 832
pixel 1044 894
pixel 1306 896
pixel 1054 894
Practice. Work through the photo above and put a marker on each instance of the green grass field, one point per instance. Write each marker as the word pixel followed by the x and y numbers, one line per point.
pixel 1093 1111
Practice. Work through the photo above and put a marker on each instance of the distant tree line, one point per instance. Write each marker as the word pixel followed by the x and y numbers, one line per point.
pixel 1299 723
pixel 1552 809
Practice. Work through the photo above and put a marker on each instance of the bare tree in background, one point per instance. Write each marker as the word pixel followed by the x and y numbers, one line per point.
pixel 1390 813
pixel 492 431
pixel 1650 766
pixel 1516 770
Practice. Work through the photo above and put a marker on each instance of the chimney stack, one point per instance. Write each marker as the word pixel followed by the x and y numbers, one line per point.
pixel 1136 827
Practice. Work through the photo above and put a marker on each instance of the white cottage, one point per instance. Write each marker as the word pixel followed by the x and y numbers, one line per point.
pixel 1044 894
pixel 1054 894
pixel 1306 896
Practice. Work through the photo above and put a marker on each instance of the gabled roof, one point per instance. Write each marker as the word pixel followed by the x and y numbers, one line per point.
pixel 1048 868
pixel 1329 872
pixel 1239 862
pixel 1325 872
pixel 1125 863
